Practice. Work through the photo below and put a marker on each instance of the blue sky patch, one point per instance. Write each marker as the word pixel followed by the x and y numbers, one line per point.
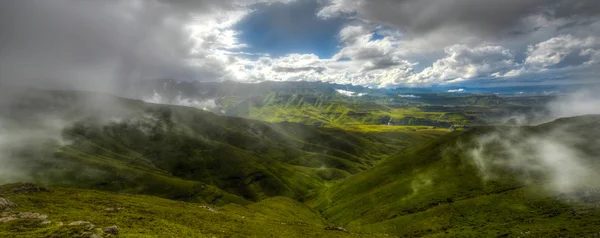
pixel 280 29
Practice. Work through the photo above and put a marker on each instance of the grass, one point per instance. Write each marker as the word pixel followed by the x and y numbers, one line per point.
pixel 285 179
pixel 187 154
pixel 433 110
pixel 148 216
pixel 436 190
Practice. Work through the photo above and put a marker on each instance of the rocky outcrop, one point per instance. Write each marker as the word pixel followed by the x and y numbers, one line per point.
pixel 5 204
pixel 32 216
pixel 24 188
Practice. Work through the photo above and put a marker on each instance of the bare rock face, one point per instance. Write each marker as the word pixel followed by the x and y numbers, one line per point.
pixel 5 204
pixel 113 230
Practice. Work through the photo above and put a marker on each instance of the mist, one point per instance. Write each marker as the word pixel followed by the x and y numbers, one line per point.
pixel 581 102
pixel 559 153
pixel 205 104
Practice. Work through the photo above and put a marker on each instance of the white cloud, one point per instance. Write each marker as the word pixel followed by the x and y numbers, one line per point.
pixel 463 62
pixel 464 40
pixel 349 93
pixel 557 49
pixel 460 90
pixel 206 105
pixel 560 53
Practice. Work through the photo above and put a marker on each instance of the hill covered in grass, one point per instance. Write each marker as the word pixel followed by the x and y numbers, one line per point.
pixel 183 153
pixel 165 170
pixel 538 181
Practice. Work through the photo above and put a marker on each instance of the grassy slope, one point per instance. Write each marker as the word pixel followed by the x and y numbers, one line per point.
pixel 147 216
pixel 187 154
pixel 436 190
pixel 182 153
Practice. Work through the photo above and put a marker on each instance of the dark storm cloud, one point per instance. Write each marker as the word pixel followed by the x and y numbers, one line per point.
pixel 484 17
pixel 574 8
pixel 95 45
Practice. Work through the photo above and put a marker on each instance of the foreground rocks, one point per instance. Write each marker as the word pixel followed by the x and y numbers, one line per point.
pixel 31 216
pixel 25 188
pixel 113 230
pixel 5 204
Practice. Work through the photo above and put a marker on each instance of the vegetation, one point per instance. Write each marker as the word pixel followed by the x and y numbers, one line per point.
pixel 315 164
pixel 147 216
pixel 437 190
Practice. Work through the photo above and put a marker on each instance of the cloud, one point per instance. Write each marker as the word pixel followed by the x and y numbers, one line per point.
pixel 565 50
pixel 560 53
pixel 207 104
pixel 438 37
pixel 552 157
pixel 419 17
pixel 581 102
pixel 460 90
pixel 559 156
pixel 408 96
pixel 359 46
pixel 100 45
pixel 108 45
pixel 463 62
pixel 349 93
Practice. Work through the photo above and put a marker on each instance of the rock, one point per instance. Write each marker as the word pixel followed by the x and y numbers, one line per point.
pixel 43 219
pixel 7 219
pixel 32 216
pixel 335 228
pixel 212 209
pixel 96 236
pixel 114 209
pixel 86 224
pixel 80 223
pixel 5 204
pixel 113 230
pixel 23 188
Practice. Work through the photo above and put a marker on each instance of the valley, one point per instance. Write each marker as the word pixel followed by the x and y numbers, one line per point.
pixel 293 164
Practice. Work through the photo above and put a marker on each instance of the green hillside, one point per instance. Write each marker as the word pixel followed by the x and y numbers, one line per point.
pixel 188 154
pixel 64 212
pixel 158 170
pixel 437 189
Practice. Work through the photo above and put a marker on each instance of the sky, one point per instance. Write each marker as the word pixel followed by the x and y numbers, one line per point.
pixel 107 44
